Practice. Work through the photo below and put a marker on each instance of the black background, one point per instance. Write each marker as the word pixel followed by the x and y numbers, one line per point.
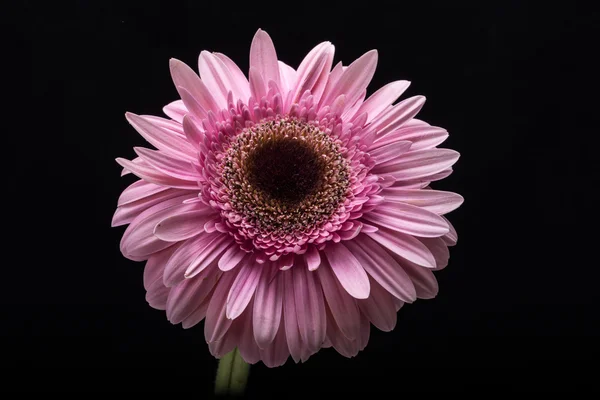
pixel 512 81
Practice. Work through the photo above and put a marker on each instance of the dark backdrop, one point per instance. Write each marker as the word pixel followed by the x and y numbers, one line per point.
pixel 512 82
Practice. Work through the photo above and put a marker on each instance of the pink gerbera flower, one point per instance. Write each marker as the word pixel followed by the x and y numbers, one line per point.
pixel 284 208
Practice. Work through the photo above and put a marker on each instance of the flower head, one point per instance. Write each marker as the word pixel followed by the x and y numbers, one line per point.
pixel 284 208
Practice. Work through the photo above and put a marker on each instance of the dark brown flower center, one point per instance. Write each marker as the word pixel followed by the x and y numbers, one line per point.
pixel 286 169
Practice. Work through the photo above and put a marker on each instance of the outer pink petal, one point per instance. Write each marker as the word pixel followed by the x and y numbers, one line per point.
pixel 162 138
pixel 184 256
pixel 287 76
pixel 313 70
pixel 243 289
pixel 175 167
pixel 247 346
pixel 348 270
pixel 155 266
pixel 175 110
pixel 210 253
pixel 268 303
pixel 290 319
pixel 354 80
pixel 236 74
pixel 189 294
pixel 451 238
pixel 405 246
pixel 263 57
pixel 365 333
pixel 343 345
pixel 439 249
pixel 383 98
pixel 419 164
pixel 310 307
pixel 138 240
pixel 217 323
pixel 139 190
pixel 379 308
pixel 152 175
pixel 396 116
pixel 157 294
pixel 183 226
pixel 409 219
pixel 426 284
pixel 126 213
pixel 382 268
pixel 277 353
pixel 436 201
pixel 342 306
pixel 198 314
pixel 185 77
pixel 390 151
pixel 219 80
pixel 422 137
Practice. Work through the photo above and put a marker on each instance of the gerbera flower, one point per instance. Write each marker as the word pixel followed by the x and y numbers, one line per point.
pixel 284 208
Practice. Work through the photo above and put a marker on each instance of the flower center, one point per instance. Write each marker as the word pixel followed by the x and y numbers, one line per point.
pixel 283 176
pixel 285 169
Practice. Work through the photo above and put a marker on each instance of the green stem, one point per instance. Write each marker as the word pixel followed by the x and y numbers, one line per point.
pixel 232 374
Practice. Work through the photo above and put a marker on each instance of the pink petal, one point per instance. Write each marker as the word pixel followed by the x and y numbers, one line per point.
pixel 155 266
pixel 198 314
pixel 409 219
pixel 183 226
pixel 232 257
pixel 152 175
pixel 419 163
pixel 167 125
pixel 138 240
pixel 310 308
pixel 451 238
pixel 162 138
pixel 355 79
pixel 175 110
pixel 126 213
pixel 184 256
pixel 342 306
pixel 365 333
pixel 423 279
pixel 217 323
pixel 157 294
pixel 343 345
pixel 229 340
pixel 277 353
pixel 398 115
pixel 243 289
pixel 312 258
pixel 348 271
pixel 290 320
pixel 382 99
pixel 382 268
pixel 192 105
pixel 435 201
pixel 390 151
pixel 267 309
pixel 247 346
pixel 263 57
pixel 439 249
pixel 379 308
pixel 189 294
pixel 219 80
pixel 422 137
pixel 192 133
pixel 210 253
pixel 168 165
pixel 333 78
pixel 313 70
pixel 405 246
pixel 139 190
pixel 236 74
pixel 258 88
pixel 185 77
pixel 287 76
